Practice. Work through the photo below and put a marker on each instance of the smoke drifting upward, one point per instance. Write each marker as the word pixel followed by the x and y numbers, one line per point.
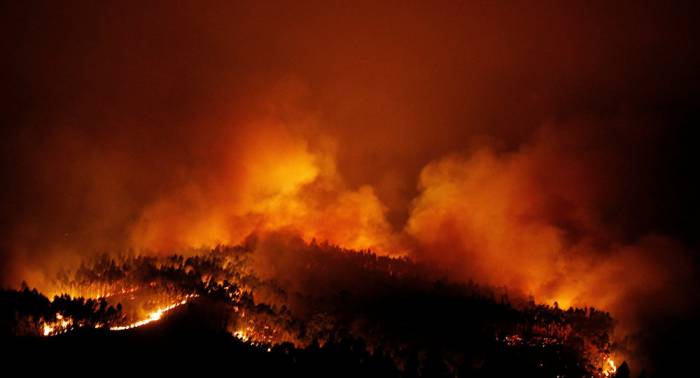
pixel 547 219
pixel 271 180
pixel 542 147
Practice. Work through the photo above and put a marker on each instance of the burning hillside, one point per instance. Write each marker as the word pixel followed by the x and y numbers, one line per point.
pixel 414 189
pixel 421 324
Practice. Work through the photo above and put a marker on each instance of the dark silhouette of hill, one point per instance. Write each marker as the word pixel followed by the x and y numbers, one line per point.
pixel 305 310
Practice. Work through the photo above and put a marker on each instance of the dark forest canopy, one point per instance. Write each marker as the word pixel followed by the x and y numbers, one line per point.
pixel 396 315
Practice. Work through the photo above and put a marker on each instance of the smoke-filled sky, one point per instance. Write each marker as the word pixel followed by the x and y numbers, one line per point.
pixel 543 146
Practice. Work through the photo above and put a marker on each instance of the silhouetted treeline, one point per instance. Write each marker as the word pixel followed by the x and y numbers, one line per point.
pixel 308 299
pixel 26 312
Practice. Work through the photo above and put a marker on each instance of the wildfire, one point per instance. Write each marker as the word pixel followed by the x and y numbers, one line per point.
pixel 609 367
pixel 255 337
pixel 61 325
pixel 153 316
pixel 257 334
pixel 119 292
pixel 241 335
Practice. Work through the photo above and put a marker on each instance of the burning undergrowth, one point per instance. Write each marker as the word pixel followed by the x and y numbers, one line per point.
pixel 281 292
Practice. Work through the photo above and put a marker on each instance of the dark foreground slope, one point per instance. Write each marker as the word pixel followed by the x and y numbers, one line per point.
pixel 305 310
pixel 191 339
pixel 186 341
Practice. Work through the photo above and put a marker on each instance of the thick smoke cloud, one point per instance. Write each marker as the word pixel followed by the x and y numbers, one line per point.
pixel 554 219
pixel 272 180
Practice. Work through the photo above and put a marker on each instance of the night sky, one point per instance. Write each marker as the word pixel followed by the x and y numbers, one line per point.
pixel 545 146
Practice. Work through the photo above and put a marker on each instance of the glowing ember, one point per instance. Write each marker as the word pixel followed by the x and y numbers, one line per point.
pixel 260 335
pixel 48 329
pixel 609 367
pixel 241 335
pixel 61 325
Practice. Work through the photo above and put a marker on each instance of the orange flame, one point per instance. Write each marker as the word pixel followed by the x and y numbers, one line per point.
pixel 153 316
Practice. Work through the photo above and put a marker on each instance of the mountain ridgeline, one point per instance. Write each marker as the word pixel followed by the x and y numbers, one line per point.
pixel 311 308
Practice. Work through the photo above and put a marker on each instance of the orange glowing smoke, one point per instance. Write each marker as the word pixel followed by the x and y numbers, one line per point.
pixel 528 220
pixel 277 181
